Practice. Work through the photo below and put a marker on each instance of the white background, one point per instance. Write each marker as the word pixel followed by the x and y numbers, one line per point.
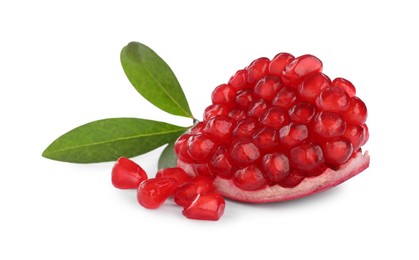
pixel 59 68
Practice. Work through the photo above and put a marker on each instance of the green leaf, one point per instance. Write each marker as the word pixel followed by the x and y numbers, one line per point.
pixel 153 79
pixel 109 139
pixel 168 157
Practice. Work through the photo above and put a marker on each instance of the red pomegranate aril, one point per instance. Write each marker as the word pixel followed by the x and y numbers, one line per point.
pixel 153 192
pixel 257 69
pixel 333 99
pixel 329 124
pixel 279 62
pixel 216 110
pixel 367 134
pixel 220 163
pixel 257 108
pixel 356 113
pixel 276 167
pixel 175 173
pixel 249 178
pixel 202 169
pixel 308 158
pixel 200 147
pixel 209 206
pixel 302 112
pixel 300 68
pixel 345 85
pixel 337 152
pixel 244 98
pixel 311 87
pixel 356 134
pixel 223 94
pixel 220 128
pixel 292 180
pixel 181 148
pixel 266 139
pixel 267 87
pixel 126 174
pixel 245 127
pixel 244 152
pixel 198 128
pixel 185 193
pixel 274 117
pixel 293 134
pixel 237 114
pixel 285 98
pixel 239 80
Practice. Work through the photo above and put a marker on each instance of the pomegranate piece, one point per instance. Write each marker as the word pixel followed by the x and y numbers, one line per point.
pixel 209 206
pixel 153 192
pixel 126 174
pixel 187 192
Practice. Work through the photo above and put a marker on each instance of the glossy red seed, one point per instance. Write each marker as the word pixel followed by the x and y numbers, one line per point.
pixel 220 164
pixel 257 70
pixel 239 80
pixel 200 147
pixel 333 99
pixel 345 85
pixel 245 127
pixel 202 169
pixel 244 98
pixel 198 128
pixel 356 134
pixel 356 113
pixel 220 128
pixel 249 178
pixel 337 151
pixel 244 152
pixel 276 167
pixel 257 108
pixel 181 148
pixel 208 206
pixel 153 192
pixel 311 87
pixel 302 113
pixel 266 139
pixel 175 173
pixel 300 68
pixel 267 87
pixel 216 110
pixel 185 193
pixel 292 180
pixel 285 98
pixel 223 94
pixel 367 134
pixel 329 124
pixel 293 134
pixel 126 174
pixel 274 117
pixel 308 158
pixel 279 62
pixel 237 114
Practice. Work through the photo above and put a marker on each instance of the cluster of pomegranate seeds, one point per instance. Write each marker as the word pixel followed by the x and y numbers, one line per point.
pixel 196 195
pixel 276 122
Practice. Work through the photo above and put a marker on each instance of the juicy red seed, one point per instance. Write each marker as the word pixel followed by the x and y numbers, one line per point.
pixel 245 127
pixel 345 85
pixel 223 94
pixel 356 134
pixel 337 152
pixel 329 124
pixel 311 87
pixel 202 169
pixel 257 108
pixel 293 134
pixel 249 178
pixel 308 158
pixel 267 87
pixel 257 69
pixel 333 99
pixel 181 148
pixel 239 80
pixel 200 147
pixel 237 114
pixel 244 152
pixel 274 117
pixel 367 134
pixel 279 62
pixel 300 68
pixel 276 167
pixel 244 98
pixel 185 193
pixel 153 192
pixel 175 173
pixel 356 113
pixel 266 139
pixel 302 113
pixel 285 98
pixel 126 174
pixel 292 180
pixel 215 110
pixel 208 206
pixel 220 163
pixel 220 127
pixel 198 128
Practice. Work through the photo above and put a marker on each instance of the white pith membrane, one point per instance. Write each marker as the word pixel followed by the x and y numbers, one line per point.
pixel 275 193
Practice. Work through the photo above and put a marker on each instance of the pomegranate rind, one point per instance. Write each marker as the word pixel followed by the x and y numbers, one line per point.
pixel 309 186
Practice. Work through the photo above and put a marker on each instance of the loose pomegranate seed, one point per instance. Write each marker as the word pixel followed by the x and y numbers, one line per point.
pixel 311 87
pixel 274 117
pixel 249 178
pixel 302 112
pixel 200 147
pixel 337 152
pixel 267 87
pixel 356 112
pixel 126 174
pixel 224 94
pixel 276 167
pixel 239 80
pixel 257 70
pixel 333 99
pixel 186 193
pixel 346 85
pixel 329 124
pixel 153 192
pixel 244 152
pixel 300 68
pixel 285 98
pixel 208 206
pixel 293 134
pixel 279 62
pixel 220 128
pixel 308 158
pixel 175 173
